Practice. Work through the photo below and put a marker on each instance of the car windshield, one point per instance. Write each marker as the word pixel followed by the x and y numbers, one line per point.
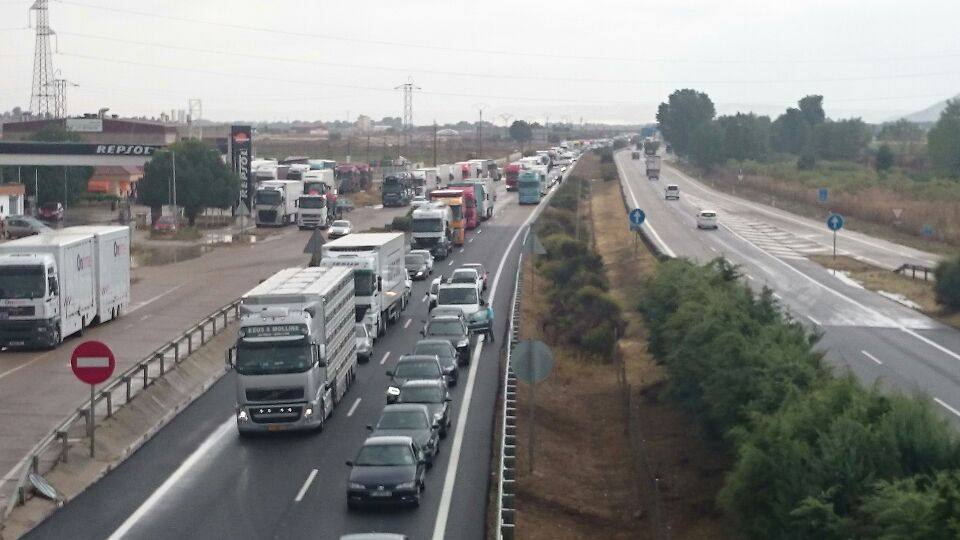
pixel 360 331
pixel 708 214
pixel 341 224
pixel 421 394
pixel 273 357
pixel 438 349
pixel 313 202
pixel 445 328
pixel 414 260
pixel 421 369
pixel 457 295
pixel 21 282
pixel 463 277
pixel 427 225
pixel 385 455
pixel 403 420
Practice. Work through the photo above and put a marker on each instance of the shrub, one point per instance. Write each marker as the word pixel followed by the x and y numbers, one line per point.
pixel 947 287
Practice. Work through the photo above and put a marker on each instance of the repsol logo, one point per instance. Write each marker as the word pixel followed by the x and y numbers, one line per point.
pixel 125 150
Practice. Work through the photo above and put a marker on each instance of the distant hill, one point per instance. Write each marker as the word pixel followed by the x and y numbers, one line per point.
pixel 930 114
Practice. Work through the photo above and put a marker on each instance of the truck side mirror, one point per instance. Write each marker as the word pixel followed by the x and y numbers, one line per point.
pixel 53 285
pixel 231 357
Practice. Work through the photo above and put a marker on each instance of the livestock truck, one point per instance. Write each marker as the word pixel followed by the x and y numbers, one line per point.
pixel 295 354
pixel 54 285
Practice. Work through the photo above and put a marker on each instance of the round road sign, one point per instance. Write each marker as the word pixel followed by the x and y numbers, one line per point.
pixel 532 361
pixel 92 362
pixel 835 222
pixel 637 216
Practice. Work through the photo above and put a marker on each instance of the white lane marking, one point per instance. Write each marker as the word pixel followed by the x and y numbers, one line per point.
pixel 663 245
pixel 384 359
pixel 306 486
pixel 713 249
pixel 354 407
pixel 11 371
pixel 450 263
pixel 461 250
pixel 777 296
pixel 479 231
pixel 470 241
pixel 751 278
pixel 814 321
pixel 174 479
pixel 151 300
pixel 842 296
pixel 872 357
pixel 93 362
pixel 947 407
pixel 129 326
pixel 145 317
pixel 440 526
pixel 407 324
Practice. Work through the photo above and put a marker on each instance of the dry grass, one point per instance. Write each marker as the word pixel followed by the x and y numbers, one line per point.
pixel 370 197
pixel 878 279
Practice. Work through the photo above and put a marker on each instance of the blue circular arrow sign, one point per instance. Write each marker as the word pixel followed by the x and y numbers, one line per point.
pixel 835 222
pixel 637 216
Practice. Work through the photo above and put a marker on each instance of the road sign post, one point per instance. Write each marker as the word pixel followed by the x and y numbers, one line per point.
pixel 93 363
pixel 637 217
pixel 835 223
pixel 532 363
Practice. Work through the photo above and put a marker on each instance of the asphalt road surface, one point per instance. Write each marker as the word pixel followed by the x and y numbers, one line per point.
pixel 874 337
pixel 196 478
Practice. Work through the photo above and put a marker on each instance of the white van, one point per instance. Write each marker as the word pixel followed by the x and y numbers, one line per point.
pixel 707 219
pixel 672 191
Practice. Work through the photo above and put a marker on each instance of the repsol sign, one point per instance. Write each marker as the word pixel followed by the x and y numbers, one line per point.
pixel 125 149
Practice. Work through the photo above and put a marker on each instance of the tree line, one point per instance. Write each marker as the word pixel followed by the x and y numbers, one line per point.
pixel 817 455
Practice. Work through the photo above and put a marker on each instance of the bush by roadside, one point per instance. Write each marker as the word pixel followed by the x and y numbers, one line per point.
pixel 947 287
pixel 818 456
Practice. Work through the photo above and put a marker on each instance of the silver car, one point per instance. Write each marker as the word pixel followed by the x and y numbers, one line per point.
pixel 364 342
pixel 21 226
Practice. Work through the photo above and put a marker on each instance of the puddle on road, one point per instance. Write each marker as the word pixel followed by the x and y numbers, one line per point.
pixel 228 238
pixel 159 255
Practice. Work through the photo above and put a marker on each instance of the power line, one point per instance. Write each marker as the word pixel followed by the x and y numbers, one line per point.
pixel 502 76
pixel 502 52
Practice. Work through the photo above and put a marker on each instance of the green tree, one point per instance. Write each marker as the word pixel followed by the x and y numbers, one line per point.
pixel 947 286
pixel 791 133
pixel 56 184
pixel 841 139
pixel 521 132
pixel 203 180
pixel 885 158
pixel 745 136
pixel 706 145
pixel 902 130
pixel 943 141
pixel 684 112
pixel 811 109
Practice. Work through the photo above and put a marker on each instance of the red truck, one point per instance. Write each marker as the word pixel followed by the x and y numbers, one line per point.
pixel 512 173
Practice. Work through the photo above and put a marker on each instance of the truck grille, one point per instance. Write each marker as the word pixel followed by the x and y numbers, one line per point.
pixel 267 216
pixel 274 394
pixel 17 311
pixel 276 414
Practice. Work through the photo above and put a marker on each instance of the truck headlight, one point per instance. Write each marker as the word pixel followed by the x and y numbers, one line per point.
pixel 405 485
pixel 242 415
pixel 308 412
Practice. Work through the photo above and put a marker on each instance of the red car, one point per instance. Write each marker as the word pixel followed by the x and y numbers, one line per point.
pixel 51 211
pixel 165 224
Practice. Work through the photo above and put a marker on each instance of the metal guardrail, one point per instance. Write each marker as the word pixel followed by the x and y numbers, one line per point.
pixel 913 269
pixel 53 448
pixel 506 479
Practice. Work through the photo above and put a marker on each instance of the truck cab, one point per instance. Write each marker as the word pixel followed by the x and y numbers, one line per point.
pixel 29 301
pixel 312 212
pixel 397 189
pixel 430 229
pixel 275 203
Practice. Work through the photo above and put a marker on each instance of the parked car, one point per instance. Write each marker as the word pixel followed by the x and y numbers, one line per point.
pixel 411 420
pixel 707 219
pixel 387 470
pixel 21 226
pixel 445 352
pixel 453 330
pixel 433 394
pixel 415 367
pixel 672 191
pixel 480 270
pixel 364 342
pixel 51 211
pixel 416 265
pixel 166 224
pixel 338 228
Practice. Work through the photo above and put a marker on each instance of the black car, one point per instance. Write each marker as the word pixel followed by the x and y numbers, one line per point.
pixel 445 352
pixel 431 393
pixel 410 420
pixel 387 470
pixel 452 329
pixel 416 367
pixel 416 265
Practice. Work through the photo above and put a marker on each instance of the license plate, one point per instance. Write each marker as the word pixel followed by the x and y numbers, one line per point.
pixel 275 428
pixel 15 343
pixel 380 493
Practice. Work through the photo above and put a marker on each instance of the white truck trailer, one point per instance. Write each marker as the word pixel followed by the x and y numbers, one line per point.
pixel 276 202
pixel 112 264
pixel 379 275
pixel 295 354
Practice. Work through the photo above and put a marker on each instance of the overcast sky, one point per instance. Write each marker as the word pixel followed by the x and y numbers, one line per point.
pixel 598 60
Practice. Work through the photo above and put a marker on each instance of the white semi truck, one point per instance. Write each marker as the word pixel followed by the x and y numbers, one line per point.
pixel 54 285
pixel 276 202
pixel 430 229
pixel 312 212
pixel 379 275
pixel 295 354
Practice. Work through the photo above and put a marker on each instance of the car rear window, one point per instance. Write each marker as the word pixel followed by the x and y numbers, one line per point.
pixel 708 214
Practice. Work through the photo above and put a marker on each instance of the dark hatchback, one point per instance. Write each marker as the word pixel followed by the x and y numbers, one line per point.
pixel 387 471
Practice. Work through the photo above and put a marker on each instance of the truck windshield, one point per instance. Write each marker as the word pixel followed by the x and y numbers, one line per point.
pixel 314 188
pixel 364 282
pixel 427 225
pixel 313 202
pixel 268 196
pixel 273 357
pixel 21 282
pixel 457 295
pixel 457 212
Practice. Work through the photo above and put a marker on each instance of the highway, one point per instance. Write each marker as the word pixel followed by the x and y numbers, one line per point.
pixel 874 337
pixel 197 478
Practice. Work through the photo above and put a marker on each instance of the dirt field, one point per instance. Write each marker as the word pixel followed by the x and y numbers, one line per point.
pixel 589 482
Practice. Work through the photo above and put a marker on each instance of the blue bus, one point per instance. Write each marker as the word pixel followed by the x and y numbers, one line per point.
pixel 529 187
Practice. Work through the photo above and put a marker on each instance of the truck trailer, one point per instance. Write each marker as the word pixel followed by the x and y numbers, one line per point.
pixel 295 354
pixel 652 164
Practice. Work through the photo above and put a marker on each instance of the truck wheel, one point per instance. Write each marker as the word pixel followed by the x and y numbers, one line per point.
pixel 57 336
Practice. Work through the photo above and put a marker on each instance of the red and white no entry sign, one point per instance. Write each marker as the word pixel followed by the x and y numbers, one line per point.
pixel 92 362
